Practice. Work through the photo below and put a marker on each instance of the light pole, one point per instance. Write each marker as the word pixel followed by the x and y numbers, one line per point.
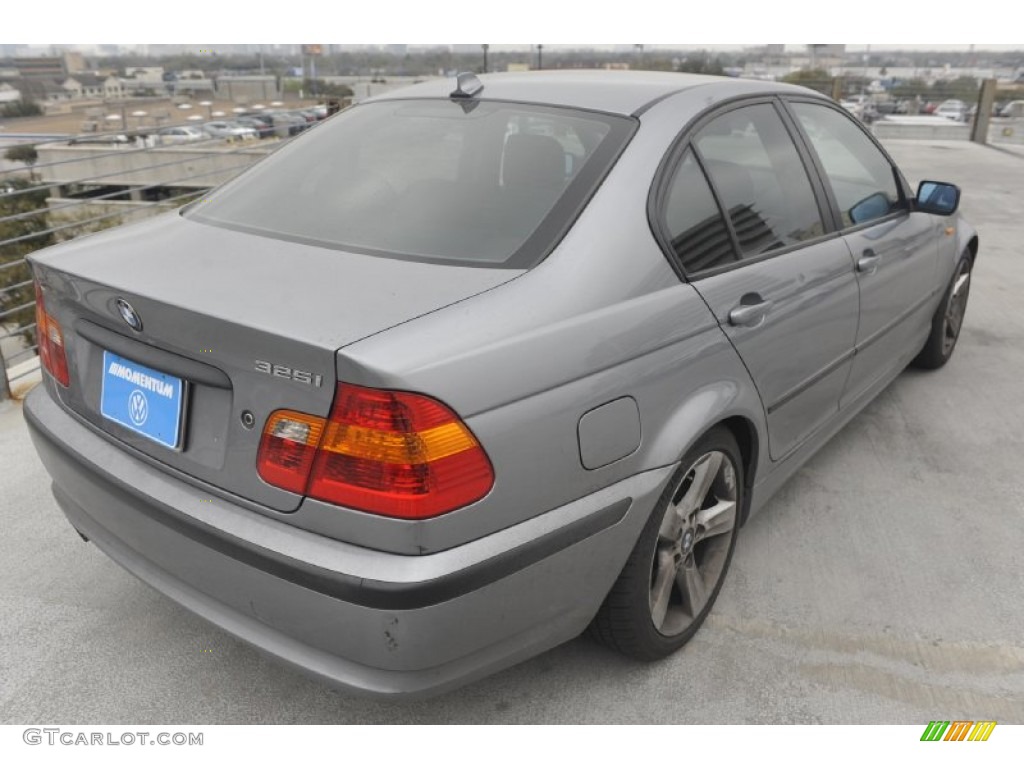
pixel 540 56
pixel 485 46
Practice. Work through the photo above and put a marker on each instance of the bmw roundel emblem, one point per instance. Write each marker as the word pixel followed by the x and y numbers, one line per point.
pixel 129 315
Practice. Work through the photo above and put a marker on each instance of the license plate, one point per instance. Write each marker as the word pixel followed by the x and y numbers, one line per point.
pixel 142 399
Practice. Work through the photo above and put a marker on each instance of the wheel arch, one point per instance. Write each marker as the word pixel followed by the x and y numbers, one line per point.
pixel 967 240
pixel 972 247
pixel 745 432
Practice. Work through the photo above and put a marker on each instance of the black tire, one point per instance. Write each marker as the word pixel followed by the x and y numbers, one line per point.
pixel 626 621
pixel 947 320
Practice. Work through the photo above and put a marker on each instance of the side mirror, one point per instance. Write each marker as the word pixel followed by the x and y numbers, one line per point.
pixel 871 207
pixel 937 197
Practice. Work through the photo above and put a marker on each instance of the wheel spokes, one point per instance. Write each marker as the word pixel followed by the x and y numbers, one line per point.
pixel 704 473
pixel 661 591
pixel 671 525
pixel 716 520
pixel 692 587
pixel 956 309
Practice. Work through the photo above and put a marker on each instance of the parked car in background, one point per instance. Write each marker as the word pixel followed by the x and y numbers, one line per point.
pixel 263 128
pixel 861 107
pixel 854 106
pixel 103 138
pixel 181 134
pixel 892 107
pixel 1013 109
pixel 231 130
pixel 285 123
pixel 952 109
pixel 484 362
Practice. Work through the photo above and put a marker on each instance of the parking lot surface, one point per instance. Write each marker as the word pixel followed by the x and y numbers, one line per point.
pixel 884 584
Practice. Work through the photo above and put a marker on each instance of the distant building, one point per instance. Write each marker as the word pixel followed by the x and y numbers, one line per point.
pixel 40 90
pixel 826 56
pixel 194 86
pixel 143 80
pixel 9 93
pixel 86 86
pixel 40 66
pixel 239 88
pixel 827 50
pixel 146 75
pixel 74 62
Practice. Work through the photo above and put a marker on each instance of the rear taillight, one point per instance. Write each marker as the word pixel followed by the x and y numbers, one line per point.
pixel 391 453
pixel 51 342
pixel 288 448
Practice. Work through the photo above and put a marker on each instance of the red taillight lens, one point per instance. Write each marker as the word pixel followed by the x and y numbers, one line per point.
pixel 288 448
pixel 51 342
pixel 391 453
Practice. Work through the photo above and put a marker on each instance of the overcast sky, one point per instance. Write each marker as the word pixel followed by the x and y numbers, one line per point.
pixel 750 22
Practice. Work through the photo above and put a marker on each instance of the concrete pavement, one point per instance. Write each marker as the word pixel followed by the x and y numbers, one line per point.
pixel 883 584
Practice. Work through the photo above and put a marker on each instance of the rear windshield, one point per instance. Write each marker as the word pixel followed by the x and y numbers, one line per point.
pixel 473 183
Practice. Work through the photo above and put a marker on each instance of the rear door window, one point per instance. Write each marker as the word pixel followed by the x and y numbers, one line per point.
pixel 695 226
pixel 760 179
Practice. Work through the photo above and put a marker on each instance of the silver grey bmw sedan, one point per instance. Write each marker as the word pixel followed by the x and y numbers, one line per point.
pixel 484 362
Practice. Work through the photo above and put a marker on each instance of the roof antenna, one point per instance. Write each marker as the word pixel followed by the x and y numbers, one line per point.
pixel 467 85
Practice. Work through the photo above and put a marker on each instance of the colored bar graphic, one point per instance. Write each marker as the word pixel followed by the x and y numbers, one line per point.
pixel 958 730
pixel 982 730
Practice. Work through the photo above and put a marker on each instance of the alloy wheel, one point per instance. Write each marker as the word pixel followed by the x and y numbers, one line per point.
pixel 956 306
pixel 692 549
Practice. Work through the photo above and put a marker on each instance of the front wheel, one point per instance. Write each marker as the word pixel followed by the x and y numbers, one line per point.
pixel 948 319
pixel 678 566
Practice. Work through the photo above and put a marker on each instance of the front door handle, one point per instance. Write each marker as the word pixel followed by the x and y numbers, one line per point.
pixel 868 261
pixel 747 314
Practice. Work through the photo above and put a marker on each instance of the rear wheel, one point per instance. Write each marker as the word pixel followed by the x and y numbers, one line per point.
pixel 948 319
pixel 678 565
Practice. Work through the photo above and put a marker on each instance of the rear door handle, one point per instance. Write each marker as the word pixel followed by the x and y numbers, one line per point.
pixel 749 314
pixel 868 261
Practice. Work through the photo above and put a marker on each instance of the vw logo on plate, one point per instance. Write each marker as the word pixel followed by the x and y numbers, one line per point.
pixel 138 408
pixel 129 315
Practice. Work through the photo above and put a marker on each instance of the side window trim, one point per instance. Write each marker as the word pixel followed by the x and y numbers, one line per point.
pixel 827 204
pixel 737 250
pixel 903 208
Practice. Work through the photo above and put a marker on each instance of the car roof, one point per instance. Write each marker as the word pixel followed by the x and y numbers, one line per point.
pixel 616 91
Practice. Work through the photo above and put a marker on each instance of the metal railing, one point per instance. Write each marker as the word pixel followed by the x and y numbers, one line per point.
pixel 41 206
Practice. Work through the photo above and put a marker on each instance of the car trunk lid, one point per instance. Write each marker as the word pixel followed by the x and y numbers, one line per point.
pixel 248 324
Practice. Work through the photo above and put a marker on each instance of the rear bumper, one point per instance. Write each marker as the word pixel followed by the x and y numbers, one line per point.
pixel 373 622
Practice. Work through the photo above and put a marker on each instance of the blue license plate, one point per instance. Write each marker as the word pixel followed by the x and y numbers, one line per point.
pixel 142 399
